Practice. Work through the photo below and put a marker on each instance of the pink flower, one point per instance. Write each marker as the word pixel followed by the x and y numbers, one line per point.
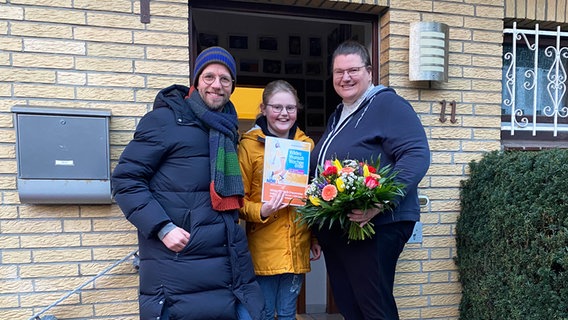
pixel 371 182
pixel 347 170
pixel 329 192
pixel 327 164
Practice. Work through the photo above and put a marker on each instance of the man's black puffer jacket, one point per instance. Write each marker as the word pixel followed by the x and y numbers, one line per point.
pixel 163 176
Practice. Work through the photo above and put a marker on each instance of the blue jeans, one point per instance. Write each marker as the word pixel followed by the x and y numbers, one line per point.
pixel 242 313
pixel 280 295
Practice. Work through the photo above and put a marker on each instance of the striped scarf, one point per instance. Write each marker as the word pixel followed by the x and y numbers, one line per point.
pixel 226 186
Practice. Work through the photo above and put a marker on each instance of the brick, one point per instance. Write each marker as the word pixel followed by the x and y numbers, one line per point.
pixel 67 255
pixel 45 91
pixel 38 60
pixel 487 134
pixel 464 9
pixel 443 253
pixel 38 270
pixel 41 30
pixel 119 124
pixel 440 265
pixel 444 300
pixel 117 281
pixel 468 157
pixel 45 3
pixel 164 67
pixel 48 211
pixel 73 311
pixel 11 44
pixel 107 94
pixel 9 301
pixel 441 288
pixel 26 75
pixel 114 21
pixel 160 82
pixel 72 78
pixel 7 183
pixel 54 46
pixel 440 312
pixel 115 253
pixel 66 284
pixel 15 227
pixel 116 308
pixel 120 224
pixel 50 240
pixel 96 239
pixel 410 278
pixel 407 290
pixel 109 295
pixel 113 50
pixel 483 146
pixel 40 299
pixel 103 34
pixel 451 133
pixel 438 242
pixel 115 80
pixel 56 15
pixel 436 230
pixel 15 286
pixel 104 5
pixel 15 256
pixel 92 269
pixel 8 212
pixel 103 64
pixel 426 6
pixel 11 13
pixel 100 211
pixel 413 302
pixel 77 225
pixel 166 53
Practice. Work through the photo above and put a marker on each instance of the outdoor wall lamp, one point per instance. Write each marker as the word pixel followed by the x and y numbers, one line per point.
pixel 428 59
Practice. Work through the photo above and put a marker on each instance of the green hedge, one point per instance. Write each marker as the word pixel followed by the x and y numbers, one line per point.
pixel 512 237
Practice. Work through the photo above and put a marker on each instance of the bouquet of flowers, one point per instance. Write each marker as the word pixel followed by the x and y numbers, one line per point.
pixel 345 185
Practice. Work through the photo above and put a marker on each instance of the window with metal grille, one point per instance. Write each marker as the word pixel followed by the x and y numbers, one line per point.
pixel 534 111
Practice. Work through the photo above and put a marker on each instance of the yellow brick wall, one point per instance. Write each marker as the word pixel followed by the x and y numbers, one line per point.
pixel 97 54
pixel 78 54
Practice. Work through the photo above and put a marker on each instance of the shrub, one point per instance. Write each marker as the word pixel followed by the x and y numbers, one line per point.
pixel 512 237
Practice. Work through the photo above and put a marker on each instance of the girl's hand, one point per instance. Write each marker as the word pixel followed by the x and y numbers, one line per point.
pixel 276 203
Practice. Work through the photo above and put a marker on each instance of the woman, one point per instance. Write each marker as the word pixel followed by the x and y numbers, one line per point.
pixel 370 122
pixel 280 247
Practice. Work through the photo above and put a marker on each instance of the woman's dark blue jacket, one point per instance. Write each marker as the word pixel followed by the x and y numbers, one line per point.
pixel 163 176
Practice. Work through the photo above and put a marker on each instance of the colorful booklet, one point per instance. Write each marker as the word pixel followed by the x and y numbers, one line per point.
pixel 286 167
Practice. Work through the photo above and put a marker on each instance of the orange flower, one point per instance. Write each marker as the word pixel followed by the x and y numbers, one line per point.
pixel 329 192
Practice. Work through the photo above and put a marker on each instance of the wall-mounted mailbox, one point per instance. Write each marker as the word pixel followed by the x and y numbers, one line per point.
pixel 62 155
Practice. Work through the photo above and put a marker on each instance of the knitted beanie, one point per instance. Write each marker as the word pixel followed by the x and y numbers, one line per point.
pixel 214 55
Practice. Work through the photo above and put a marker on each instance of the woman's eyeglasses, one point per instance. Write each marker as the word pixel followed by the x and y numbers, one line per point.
pixel 278 108
pixel 352 72
pixel 209 78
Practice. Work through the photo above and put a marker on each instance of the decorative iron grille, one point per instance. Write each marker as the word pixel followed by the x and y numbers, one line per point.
pixel 534 81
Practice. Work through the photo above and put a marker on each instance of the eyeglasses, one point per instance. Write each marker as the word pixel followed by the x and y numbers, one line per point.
pixel 352 72
pixel 209 78
pixel 278 108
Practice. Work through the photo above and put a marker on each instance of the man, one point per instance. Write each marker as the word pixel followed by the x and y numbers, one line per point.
pixel 179 183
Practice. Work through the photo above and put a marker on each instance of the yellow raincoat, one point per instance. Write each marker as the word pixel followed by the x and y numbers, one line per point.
pixel 278 244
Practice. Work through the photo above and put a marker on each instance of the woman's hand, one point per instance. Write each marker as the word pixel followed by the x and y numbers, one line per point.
pixel 364 216
pixel 276 203
pixel 316 251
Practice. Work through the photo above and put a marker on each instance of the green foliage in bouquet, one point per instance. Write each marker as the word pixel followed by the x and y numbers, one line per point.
pixel 342 186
